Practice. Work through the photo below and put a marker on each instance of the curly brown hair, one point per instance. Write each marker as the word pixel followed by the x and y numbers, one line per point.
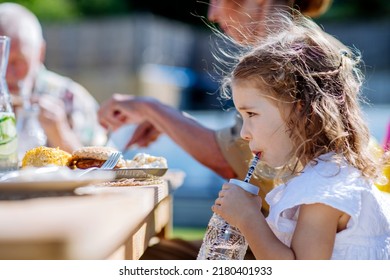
pixel 321 78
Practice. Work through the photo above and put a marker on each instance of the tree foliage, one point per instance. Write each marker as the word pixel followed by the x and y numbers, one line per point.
pixel 188 11
pixel 50 10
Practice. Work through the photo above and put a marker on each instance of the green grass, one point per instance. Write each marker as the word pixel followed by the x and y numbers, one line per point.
pixel 188 233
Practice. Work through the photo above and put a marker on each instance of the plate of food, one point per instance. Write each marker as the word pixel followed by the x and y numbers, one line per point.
pixel 49 178
pixel 141 166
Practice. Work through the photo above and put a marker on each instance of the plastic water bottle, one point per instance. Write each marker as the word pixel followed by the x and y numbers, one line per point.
pixel 8 134
pixel 223 241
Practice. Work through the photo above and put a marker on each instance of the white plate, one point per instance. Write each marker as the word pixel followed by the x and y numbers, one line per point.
pixel 49 179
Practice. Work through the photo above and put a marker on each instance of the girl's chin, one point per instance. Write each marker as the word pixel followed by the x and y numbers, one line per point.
pixel 272 163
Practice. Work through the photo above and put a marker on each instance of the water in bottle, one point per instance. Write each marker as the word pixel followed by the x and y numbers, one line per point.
pixel 8 134
pixel 223 241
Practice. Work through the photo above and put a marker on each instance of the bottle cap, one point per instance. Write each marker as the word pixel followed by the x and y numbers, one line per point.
pixel 246 186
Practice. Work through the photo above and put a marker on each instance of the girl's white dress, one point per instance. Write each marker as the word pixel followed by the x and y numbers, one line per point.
pixel 341 186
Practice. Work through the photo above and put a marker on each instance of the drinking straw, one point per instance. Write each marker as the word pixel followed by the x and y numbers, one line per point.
pixel 252 167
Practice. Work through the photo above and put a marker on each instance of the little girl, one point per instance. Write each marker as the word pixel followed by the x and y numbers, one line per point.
pixel 302 107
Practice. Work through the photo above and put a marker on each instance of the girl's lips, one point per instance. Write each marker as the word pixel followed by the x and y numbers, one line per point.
pixel 258 153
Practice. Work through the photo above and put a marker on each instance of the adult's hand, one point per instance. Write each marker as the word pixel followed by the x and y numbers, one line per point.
pixel 119 110
pixel 53 119
pixel 145 134
pixel 18 101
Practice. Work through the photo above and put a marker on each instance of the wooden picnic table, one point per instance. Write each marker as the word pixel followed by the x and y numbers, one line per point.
pixel 93 222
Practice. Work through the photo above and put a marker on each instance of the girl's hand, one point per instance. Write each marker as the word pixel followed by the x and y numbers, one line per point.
pixel 236 205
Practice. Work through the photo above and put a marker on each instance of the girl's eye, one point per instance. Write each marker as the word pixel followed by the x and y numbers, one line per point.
pixel 250 114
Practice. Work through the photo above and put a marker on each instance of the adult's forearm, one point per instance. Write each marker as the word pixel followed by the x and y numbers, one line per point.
pixel 196 139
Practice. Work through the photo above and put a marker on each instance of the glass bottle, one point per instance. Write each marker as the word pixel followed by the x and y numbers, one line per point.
pixel 30 131
pixel 8 134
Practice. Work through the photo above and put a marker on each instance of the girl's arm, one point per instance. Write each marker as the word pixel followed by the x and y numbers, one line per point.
pixel 315 232
pixel 313 237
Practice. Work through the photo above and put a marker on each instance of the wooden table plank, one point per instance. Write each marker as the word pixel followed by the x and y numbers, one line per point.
pixel 86 226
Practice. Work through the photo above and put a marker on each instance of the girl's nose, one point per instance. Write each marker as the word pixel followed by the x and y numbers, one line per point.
pixel 244 133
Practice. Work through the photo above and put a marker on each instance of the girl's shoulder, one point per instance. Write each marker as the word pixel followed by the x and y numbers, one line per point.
pixel 331 172
pixel 328 181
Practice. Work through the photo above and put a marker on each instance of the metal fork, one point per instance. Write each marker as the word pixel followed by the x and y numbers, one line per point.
pixel 110 163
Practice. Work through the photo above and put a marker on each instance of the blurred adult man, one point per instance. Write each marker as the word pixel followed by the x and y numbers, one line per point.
pixel 67 112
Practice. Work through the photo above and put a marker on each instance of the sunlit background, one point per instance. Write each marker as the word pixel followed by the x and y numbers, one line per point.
pixel 162 49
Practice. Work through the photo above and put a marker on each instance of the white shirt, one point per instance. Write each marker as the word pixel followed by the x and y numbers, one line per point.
pixel 340 186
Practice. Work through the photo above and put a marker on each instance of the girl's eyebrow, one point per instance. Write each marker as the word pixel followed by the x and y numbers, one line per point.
pixel 245 108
